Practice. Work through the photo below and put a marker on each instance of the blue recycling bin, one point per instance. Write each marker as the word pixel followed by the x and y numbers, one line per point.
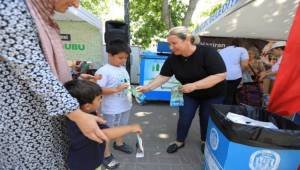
pixel 150 67
pixel 231 146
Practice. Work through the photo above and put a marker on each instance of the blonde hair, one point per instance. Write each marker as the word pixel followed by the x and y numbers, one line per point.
pixel 182 33
pixel 255 50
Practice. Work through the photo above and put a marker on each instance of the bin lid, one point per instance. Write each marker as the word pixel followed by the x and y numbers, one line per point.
pixel 153 55
pixel 163 47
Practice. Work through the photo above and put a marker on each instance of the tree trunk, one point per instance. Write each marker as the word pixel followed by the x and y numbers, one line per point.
pixel 126 16
pixel 189 13
pixel 166 14
pixel 127 21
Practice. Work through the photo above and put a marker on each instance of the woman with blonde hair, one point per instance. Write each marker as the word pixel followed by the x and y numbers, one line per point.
pixel 201 71
pixel 34 103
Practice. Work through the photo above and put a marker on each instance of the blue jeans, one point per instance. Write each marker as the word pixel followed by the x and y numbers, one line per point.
pixel 187 114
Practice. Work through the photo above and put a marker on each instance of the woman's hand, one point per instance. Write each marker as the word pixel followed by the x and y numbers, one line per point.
pixel 90 77
pixel 142 89
pixel 188 88
pixel 88 125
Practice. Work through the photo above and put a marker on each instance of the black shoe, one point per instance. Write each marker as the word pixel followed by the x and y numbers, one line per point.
pixel 202 147
pixel 110 162
pixel 174 147
pixel 124 148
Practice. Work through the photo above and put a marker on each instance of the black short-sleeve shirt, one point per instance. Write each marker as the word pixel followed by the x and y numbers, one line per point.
pixel 84 153
pixel 205 61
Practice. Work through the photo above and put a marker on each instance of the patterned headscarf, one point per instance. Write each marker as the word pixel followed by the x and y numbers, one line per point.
pixel 42 12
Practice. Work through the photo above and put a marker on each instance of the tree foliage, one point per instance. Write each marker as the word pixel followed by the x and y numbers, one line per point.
pixel 99 8
pixel 211 11
pixel 147 21
pixel 94 7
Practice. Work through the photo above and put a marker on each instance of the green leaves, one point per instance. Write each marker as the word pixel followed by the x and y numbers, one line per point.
pixel 94 7
pixel 147 25
pixel 212 10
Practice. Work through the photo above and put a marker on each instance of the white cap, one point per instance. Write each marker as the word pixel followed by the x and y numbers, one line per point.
pixel 278 44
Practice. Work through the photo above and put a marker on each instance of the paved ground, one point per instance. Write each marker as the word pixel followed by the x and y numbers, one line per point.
pixel 159 124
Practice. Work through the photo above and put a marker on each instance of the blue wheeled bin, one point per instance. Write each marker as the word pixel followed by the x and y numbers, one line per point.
pixel 234 146
pixel 150 66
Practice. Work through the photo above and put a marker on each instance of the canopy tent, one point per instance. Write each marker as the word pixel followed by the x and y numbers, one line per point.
pixel 259 19
pixel 82 36
pixel 265 19
pixel 78 14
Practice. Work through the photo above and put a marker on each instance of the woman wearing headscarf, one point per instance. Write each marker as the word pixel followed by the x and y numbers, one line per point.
pixel 33 102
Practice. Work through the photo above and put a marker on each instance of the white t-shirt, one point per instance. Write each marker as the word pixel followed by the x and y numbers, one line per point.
pixel 113 76
pixel 232 57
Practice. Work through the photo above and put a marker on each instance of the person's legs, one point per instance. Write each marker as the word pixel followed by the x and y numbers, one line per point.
pixel 109 160
pixel 120 144
pixel 111 120
pixel 231 90
pixel 186 115
pixel 204 112
pixel 123 120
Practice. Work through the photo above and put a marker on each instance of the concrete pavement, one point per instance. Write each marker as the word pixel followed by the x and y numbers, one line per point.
pixel 159 122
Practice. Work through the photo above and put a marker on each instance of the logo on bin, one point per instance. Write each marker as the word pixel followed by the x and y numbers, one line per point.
pixel 264 160
pixel 214 139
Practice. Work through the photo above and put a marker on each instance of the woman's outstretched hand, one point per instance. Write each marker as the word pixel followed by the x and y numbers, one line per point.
pixel 142 89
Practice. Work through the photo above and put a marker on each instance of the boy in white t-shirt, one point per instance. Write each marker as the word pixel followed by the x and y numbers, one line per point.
pixel 117 102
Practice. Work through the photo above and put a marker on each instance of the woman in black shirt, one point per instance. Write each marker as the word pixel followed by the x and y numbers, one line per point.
pixel 201 71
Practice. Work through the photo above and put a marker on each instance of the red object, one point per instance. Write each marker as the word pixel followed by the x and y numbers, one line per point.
pixel 285 95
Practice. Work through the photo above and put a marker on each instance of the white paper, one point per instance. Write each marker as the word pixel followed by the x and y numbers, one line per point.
pixel 240 119
pixel 140 148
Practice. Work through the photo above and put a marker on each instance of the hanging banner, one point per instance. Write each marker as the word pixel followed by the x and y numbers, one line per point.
pixel 216 16
pixel 222 42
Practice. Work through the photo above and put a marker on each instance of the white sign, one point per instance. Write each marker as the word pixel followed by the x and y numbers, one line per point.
pixel 214 139
pixel 264 160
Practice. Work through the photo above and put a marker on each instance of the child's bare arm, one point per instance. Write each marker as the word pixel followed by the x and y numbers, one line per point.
pixel 116 132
